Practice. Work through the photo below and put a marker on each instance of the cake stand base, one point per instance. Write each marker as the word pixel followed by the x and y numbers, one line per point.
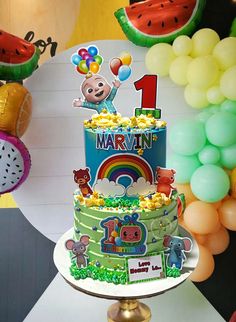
pixel 129 311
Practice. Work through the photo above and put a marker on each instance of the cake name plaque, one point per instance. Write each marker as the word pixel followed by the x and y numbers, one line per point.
pixel 124 236
pixel 146 268
pixel 124 142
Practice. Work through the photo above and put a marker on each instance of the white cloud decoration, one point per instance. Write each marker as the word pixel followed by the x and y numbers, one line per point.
pixel 141 187
pixel 109 188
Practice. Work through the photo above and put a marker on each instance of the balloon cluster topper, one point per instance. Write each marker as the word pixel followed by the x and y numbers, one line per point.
pixel 87 60
pixel 98 94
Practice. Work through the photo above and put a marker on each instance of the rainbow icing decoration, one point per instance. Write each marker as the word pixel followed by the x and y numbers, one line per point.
pixel 127 164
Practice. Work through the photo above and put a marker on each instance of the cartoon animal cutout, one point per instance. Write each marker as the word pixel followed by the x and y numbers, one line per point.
pixel 98 94
pixel 130 234
pixel 164 179
pixel 78 248
pixel 177 247
pixel 82 177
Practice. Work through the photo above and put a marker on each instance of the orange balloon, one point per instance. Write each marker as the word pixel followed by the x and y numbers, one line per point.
pixel 227 214
pixel 186 190
pixel 201 218
pixel 218 242
pixel 205 265
pixel 94 67
pixel 201 239
pixel 216 204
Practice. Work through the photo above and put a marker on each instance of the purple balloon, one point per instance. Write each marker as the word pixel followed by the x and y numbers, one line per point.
pixel 86 56
pixel 89 61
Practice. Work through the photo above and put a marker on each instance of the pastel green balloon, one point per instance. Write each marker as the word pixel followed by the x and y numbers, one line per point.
pixel 187 137
pixel 210 183
pixel 209 155
pixel 184 166
pixel 229 106
pixel 204 115
pixel 221 129
pixel 228 156
pixel 214 108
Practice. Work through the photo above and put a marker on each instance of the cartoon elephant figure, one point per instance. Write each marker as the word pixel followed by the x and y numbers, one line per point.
pixel 78 248
pixel 177 247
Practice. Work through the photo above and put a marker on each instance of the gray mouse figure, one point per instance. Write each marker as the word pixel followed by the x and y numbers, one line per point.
pixel 78 248
pixel 177 246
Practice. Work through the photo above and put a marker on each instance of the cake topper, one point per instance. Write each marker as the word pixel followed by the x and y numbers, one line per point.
pixel 78 248
pixel 177 246
pixel 82 178
pixel 97 92
pixel 164 179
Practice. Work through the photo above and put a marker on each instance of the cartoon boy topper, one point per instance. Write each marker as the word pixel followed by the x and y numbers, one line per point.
pixel 98 94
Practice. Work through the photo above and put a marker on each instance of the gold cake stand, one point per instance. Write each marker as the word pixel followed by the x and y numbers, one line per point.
pixel 128 308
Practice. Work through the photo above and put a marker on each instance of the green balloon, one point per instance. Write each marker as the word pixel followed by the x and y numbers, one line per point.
pixel 204 116
pixel 229 106
pixel 98 59
pixel 209 155
pixel 228 156
pixel 214 108
pixel 210 183
pixel 83 67
pixel 221 129
pixel 184 166
pixel 187 137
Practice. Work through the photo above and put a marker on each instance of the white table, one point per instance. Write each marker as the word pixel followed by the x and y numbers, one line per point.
pixel 55 142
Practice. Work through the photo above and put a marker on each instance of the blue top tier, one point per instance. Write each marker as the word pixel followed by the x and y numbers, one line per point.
pixel 123 161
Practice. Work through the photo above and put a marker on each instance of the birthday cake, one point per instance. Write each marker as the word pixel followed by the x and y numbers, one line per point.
pixel 125 208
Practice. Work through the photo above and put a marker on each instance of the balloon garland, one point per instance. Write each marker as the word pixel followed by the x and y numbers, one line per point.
pixel 18 60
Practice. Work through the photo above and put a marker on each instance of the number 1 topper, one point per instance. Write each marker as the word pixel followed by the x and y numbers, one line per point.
pixel 148 85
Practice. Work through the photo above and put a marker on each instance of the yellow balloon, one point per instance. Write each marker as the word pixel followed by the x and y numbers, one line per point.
pixel 228 83
pixel 204 41
pixel 186 190
pixel 201 218
pixel 218 242
pixel 158 59
pixel 227 214
pixel 214 95
pixel 178 70
pixel 203 72
pixel 195 97
pixel 225 52
pixel 94 67
pixel 126 58
pixel 182 45
pixel 205 266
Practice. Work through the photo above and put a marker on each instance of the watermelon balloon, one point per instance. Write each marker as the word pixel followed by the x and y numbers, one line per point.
pixel 153 21
pixel 14 162
pixel 18 57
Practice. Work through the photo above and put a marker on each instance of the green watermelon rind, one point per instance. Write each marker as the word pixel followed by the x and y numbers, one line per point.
pixel 16 72
pixel 142 39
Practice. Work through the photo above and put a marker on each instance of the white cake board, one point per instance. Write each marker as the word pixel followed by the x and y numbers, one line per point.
pixel 112 291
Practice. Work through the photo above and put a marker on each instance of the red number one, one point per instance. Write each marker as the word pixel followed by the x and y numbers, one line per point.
pixel 148 85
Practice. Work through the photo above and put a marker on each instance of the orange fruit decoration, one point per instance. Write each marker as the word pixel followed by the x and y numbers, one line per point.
pixel 15 109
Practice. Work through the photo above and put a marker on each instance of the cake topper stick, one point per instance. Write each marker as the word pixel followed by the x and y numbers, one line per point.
pixel 148 85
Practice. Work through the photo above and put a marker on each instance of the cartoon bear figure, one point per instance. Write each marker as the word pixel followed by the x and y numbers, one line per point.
pixel 164 179
pixel 82 177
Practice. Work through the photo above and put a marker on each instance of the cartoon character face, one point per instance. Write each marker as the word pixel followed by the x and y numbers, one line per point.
pixel 81 176
pixel 165 175
pixel 130 234
pixel 95 89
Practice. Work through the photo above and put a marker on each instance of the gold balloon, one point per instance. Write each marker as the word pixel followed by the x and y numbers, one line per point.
pixel 15 109
pixel 205 266
pixel 126 58
pixel 218 242
pixel 201 218
pixel 227 213
pixel 186 190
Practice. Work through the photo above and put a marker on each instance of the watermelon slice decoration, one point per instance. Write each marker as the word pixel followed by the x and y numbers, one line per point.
pixel 14 162
pixel 18 57
pixel 153 21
